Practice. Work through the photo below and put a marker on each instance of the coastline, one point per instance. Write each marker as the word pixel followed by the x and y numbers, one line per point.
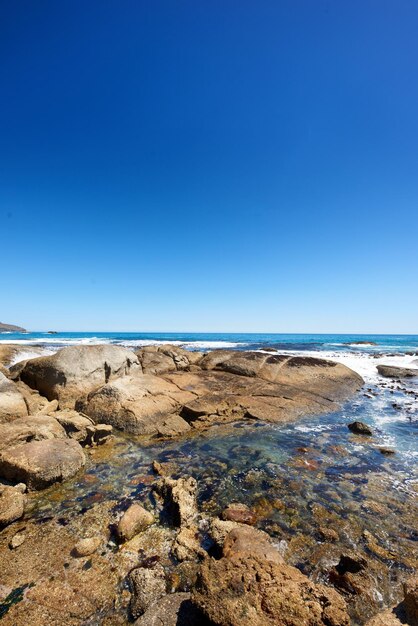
pixel 271 467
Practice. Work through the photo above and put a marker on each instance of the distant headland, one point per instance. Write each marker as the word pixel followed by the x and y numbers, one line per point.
pixel 4 328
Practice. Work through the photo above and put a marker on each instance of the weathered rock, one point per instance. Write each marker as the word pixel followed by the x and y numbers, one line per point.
pixel 12 505
pixel 410 589
pixel 360 428
pixel 147 586
pixel 142 404
pixel 250 591
pixel 41 463
pixel 328 378
pixel 180 507
pixel 11 353
pixel 73 372
pixel 174 609
pixel 87 546
pixel 12 402
pixel 17 540
pixel 390 371
pixel 238 512
pixel 25 429
pixel 186 545
pixel 82 428
pixel 133 521
pixel 246 541
pixel 166 358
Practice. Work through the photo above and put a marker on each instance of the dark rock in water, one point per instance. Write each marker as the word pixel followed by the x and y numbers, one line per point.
pixel 390 371
pixel 351 563
pixel 237 512
pixel 361 343
pixel 360 428
pixel 387 451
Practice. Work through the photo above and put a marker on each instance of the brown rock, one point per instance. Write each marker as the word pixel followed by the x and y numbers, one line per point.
pixel 133 521
pixel 138 404
pixel 71 373
pixel 180 506
pixel 147 585
pixel 25 429
pixel 390 371
pixel 250 591
pixel 174 609
pixel 41 463
pixel 87 546
pixel 12 505
pixel 241 513
pixel 247 541
pixel 410 589
pixel 12 403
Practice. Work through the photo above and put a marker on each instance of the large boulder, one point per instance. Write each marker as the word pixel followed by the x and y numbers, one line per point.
pixel 12 353
pixel 71 373
pixel 42 463
pixel 12 402
pixel 252 591
pixel 320 376
pixel 222 396
pixel 390 371
pixel 137 404
pixel 25 429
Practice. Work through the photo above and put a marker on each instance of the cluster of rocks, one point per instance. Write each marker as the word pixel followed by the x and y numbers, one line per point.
pixel 53 406
pixel 180 567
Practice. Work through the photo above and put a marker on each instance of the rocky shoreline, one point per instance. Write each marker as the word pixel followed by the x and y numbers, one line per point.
pixel 159 558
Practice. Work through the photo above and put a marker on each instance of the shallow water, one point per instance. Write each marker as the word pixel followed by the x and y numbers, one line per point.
pixel 299 478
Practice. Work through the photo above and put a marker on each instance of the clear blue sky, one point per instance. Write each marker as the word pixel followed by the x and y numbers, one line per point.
pixel 209 166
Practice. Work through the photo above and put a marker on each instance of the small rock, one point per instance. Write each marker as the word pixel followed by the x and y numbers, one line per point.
pixel 133 521
pixel 328 534
pixel 360 428
pixel 410 589
pixel 237 512
pixel 86 546
pixel 12 505
pixel 17 540
pixel 387 451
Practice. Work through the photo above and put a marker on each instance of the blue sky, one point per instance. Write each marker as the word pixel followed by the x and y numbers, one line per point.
pixel 209 166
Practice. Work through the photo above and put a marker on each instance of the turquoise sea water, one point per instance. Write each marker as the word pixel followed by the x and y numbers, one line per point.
pixel 206 341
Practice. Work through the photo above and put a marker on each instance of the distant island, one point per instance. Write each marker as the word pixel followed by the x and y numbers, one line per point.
pixel 5 328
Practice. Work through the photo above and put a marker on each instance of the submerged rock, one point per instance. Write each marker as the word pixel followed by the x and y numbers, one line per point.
pixel 238 512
